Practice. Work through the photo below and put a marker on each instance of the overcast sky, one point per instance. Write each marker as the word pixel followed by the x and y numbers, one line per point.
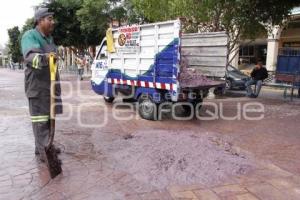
pixel 14 13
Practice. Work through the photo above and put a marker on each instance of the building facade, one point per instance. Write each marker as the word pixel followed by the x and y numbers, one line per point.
pixel 267 48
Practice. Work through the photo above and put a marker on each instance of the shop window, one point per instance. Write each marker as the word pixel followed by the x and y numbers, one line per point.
pixel 247 51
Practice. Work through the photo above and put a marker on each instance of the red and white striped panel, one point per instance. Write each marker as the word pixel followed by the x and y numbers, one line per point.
pixel 164 86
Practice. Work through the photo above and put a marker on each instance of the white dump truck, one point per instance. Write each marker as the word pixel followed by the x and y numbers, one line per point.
pixel 156 63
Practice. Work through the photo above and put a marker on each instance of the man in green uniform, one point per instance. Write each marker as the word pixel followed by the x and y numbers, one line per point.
pixel 36 45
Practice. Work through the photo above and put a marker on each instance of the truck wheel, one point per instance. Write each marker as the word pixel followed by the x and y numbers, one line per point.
pixel 219 91
pixel 108 99
pixel 147 108
pixel 187 109
pixel 130 100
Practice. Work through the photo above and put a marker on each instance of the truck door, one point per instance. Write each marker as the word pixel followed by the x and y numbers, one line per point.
pixel 99 66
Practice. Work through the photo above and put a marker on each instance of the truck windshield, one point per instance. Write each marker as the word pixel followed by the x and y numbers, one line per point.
pixel 102 54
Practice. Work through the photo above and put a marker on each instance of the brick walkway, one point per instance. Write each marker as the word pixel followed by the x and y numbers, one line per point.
pixel 89 173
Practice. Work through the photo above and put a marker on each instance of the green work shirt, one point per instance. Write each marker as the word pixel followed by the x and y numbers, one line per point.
pixel 37 74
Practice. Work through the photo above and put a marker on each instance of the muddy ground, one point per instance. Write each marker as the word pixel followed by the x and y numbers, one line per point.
pixel 113 158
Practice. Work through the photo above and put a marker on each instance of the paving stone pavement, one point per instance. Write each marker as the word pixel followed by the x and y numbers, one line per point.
pixel 89 172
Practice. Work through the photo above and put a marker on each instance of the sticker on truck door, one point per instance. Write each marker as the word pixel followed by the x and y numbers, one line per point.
pixel 99 71
pixel 99 67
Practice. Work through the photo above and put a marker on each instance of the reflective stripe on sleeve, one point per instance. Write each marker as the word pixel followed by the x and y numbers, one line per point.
pixel 35 61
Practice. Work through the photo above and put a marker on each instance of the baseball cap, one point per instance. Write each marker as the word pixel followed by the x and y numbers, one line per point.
pixel 40 13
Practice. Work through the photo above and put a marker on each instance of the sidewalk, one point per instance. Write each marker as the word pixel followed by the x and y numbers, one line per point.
pixel 95 159
pixel 268 92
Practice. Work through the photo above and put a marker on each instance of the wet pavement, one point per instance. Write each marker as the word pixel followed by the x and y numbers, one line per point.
pixel 105 158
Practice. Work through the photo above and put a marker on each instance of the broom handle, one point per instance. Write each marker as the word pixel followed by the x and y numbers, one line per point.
pixel 53 70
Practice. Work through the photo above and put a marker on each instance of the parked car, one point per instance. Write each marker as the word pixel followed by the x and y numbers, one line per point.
pixel 235 78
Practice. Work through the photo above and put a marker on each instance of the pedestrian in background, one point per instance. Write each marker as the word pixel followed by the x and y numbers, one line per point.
pixel 258 75
pixel 80 67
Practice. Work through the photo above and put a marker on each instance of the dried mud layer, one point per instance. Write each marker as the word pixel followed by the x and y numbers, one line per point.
pixel 161 158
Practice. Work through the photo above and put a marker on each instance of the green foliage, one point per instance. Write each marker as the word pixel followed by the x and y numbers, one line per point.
pixel 162 10
pixel 239 18
pixel 273 11
pixel 29 24
pixel 93 15
pixel 81 23
pixel 132 14
pixel 118 13
pixel 67 30
pixel 14 44
pixel 215 15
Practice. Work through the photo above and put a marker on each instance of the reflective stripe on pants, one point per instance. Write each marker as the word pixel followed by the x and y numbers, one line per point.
pixel 40 118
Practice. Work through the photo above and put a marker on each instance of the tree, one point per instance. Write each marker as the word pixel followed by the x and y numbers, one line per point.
pixel 67 30
pixel 250 19
pixel 14 44
pixel 95 15
pixel 162 10
pixel 132 14
pixel 93 18
pixel 29 24
pixel 117 13
pixel 82 23
pixel 239 18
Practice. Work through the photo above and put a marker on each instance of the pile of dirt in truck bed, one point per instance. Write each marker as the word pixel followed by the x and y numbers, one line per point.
pixel 189 77
pixel 161 158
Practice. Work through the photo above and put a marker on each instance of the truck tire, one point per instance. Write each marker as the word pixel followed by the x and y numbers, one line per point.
pixel 219 91
pixel 187 109
pixel 108 99
pixel 130 100
pixel 147 108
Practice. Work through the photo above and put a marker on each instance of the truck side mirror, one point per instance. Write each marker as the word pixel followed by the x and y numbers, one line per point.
pixel 102 55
